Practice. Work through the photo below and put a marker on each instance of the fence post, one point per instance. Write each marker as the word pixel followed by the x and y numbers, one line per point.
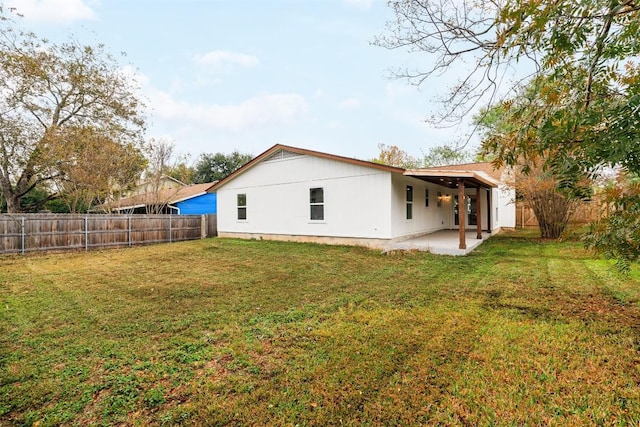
pixel 129 229
pixel 170 231
pixel 203 226
pixel 22 237
pixel 86 233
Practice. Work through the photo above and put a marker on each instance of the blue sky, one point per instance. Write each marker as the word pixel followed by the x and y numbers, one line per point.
pixel 220 75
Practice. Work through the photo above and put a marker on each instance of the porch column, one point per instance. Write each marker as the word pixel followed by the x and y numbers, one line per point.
pixel 479 212
pixel 462 214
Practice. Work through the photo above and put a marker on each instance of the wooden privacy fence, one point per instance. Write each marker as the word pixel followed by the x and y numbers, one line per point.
pixel 584 214
pixel 20 233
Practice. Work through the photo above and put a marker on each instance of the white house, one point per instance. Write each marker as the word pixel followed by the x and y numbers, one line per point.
pixel 289 193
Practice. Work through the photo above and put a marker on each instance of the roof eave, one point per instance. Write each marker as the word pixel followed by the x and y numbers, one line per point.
pixel 464 175
pixel 189 197
pixel 302 151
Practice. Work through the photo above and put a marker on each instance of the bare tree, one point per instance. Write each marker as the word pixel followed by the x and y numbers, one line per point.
pixel 160 155
pixel 454 33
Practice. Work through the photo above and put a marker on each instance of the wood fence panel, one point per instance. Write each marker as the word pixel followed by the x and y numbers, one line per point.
pixel 11 234
pixel 20 233
pixel 212 225
pixel 584 214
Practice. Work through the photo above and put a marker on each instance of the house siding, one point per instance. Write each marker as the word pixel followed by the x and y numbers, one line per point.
pixel 426 219
pixel 356 202
pixel 505 201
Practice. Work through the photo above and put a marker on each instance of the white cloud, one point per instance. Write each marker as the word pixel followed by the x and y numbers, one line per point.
pixel 227 59
pixel 360 4
pixel 257 112
pixel 349 103
pixel 55 11
pixel 253 113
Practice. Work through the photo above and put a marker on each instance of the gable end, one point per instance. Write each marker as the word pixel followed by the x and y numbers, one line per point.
pixel 281 155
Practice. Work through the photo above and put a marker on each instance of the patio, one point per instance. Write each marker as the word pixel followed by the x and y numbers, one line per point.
pixel 443 242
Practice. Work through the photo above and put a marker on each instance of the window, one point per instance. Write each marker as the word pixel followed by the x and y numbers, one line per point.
pixel 426 197
pixel 316 201
pixel 242 206
pixel 409 202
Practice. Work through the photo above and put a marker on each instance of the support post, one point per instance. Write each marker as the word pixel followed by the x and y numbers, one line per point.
pixel 462 215
pixel 479 212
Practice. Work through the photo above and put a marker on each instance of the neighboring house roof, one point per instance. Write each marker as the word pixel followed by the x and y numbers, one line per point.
pixel 475 174
pixel 168 196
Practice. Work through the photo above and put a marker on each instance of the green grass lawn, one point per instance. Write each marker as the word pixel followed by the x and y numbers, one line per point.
pixel 230 332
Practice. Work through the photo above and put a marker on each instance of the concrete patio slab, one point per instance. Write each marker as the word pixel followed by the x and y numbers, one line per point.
pixel 443 242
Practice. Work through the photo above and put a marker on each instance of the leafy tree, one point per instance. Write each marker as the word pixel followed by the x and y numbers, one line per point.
pixel 444 155
pixel 49 92
pixel 536 186
pixel 94 168
pixel 38 200
pixel 588 41
pixel 579 106
pixel 182 172
pixel 617 235
pixel 214 167
pixel 393 156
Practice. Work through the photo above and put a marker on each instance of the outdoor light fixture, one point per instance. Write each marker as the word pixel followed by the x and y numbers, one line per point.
pixel 442 198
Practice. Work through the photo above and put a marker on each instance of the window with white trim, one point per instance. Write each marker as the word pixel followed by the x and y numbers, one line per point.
pixel 316 203
pixel 242 206
pixel 409 202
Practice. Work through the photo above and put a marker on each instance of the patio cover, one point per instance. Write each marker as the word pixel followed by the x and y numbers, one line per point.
pixel 450 178
pixel 458 179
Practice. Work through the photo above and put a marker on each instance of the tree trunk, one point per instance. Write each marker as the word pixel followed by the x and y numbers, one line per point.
pixel 13 202
pixel 9 193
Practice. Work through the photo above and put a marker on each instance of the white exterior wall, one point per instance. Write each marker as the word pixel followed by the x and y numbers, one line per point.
pixel 356 199
pixel 425 219
pixel 505 202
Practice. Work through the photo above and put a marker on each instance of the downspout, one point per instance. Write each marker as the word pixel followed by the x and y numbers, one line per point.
pixel 177 209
